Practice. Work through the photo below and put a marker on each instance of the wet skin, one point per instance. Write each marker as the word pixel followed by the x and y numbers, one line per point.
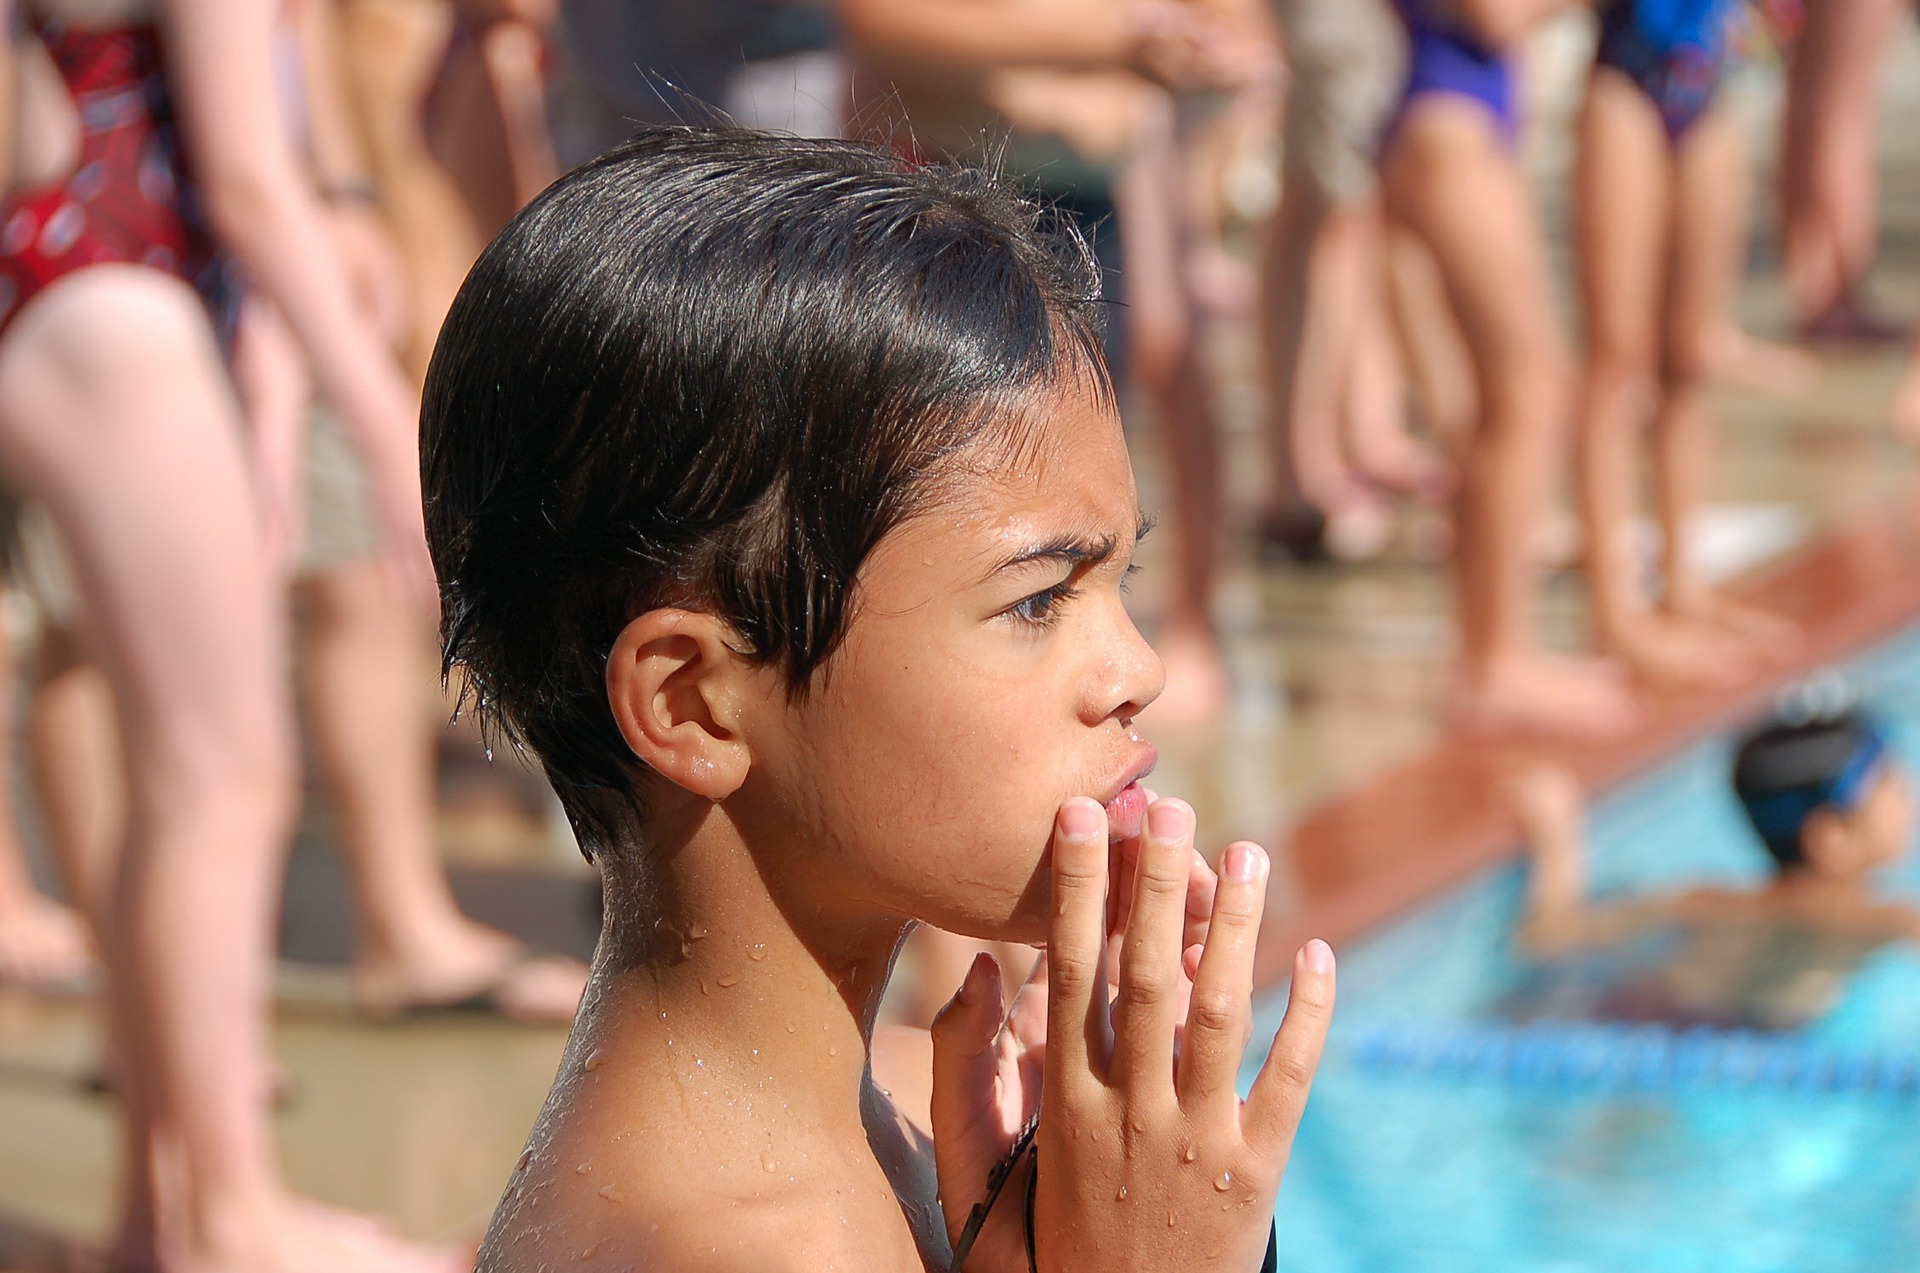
pixel 715 1107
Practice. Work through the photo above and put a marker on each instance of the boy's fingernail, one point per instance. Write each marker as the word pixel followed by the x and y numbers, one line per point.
pixel 1079 819
pixel 1169 820
pixel 1241 862
pixel 1318 956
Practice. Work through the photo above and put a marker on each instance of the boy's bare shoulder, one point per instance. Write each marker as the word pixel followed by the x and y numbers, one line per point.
pixel 666 1220
pixel 616 1183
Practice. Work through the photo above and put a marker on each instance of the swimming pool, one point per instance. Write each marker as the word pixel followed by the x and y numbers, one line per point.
pixel 1498 1168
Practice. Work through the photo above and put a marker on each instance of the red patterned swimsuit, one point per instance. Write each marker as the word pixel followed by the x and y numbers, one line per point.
pixel 129 199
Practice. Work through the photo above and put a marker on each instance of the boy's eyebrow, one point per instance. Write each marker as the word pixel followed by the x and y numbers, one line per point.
pixel 1073 550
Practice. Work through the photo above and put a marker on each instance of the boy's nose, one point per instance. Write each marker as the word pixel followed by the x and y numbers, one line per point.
pixel 1129 677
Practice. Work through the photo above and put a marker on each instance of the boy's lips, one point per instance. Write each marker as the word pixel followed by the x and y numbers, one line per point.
pixel 1127 807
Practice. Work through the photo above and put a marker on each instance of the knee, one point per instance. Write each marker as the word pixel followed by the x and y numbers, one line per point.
pixel 235 768
pixel 1620 376
pixel 1684 363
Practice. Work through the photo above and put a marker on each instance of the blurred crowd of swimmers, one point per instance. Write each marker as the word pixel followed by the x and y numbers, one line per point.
pixel 233 229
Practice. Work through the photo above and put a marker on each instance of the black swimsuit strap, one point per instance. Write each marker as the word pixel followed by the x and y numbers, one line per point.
pixel 1023 1144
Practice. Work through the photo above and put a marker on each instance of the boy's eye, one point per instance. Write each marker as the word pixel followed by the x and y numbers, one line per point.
pixel 1042 608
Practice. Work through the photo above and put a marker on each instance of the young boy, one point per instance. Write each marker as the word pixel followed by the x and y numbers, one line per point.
pixel 780 507
pixel 1830 804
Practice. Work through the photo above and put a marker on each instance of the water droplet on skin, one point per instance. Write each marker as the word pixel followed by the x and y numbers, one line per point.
pixel 1122 1195
pixel 1169 1219
pixel 1225 1182
pixel 611 1192
pixel 757 952
pixel 595 1059
pixel 755 1053
pixel 697 932
pixel 768 1161
pixel 728 980
pixel 832 1051
pixel 1189 1154
pixel 583 1169
pixel 789 1027
pixel 526 1160
pixel 703 987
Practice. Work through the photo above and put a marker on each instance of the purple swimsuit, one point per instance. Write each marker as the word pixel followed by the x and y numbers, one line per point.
pixel 1443 58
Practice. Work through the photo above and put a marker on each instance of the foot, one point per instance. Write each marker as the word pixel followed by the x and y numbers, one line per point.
pixel 1675 652
pixel 1738 358
pixel 1357 527
pixel 1396 461
pixel 44 945
pixel 1848 321
pixel 1197 687
pixel 293 1235
pixel 1771 637
pixel 1540 694
pixel 472 966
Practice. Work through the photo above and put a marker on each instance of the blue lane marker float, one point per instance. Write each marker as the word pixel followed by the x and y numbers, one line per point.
pixel 1583 1054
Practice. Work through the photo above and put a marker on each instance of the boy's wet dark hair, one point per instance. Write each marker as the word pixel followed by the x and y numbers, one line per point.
pixel 1784 772
pixel 713 368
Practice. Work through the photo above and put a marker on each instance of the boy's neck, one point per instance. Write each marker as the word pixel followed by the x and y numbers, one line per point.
pixel 712 977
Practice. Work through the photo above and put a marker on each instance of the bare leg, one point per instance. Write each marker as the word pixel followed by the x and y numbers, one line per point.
pixel 114 413
pixel 1703 270
pixel 1624 197
pixel 1450 179
pixel 1828 188
pixel 367 663
pixel 42 943
pixel 76 768
pixel 1429 339
pixel 1164 346
pixel 1546 801
pixel 1374 401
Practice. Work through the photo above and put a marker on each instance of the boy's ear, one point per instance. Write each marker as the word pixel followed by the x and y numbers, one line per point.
pixel 675 685
pixel 1827 843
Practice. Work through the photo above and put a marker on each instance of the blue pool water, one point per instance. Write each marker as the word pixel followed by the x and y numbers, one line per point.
pixel 1405 1169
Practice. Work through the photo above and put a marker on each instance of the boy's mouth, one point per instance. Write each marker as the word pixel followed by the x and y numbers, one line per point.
pixel 1126 812
pixel 1127 807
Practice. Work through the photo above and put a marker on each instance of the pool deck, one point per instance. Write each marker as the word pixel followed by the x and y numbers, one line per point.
pixel 1370 854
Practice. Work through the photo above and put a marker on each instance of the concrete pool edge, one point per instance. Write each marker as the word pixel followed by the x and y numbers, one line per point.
pixel 1362 858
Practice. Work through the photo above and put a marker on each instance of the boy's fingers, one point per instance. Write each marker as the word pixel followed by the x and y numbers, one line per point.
pixel 1272 1112
pixel 1217 1018
pixel 967 1127
pixel 1201 889
pixel 1076 937
pixel 1150 975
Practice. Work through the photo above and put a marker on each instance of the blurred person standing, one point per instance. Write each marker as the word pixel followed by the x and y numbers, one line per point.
pixel 1451 173
pixel 1089 99
pixel 1072 95
pixel 1659 248
pixel 1336 414
pixel 161 148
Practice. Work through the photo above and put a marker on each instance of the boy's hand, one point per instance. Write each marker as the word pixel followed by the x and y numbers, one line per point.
pixel 1148 1158
pixel 987 1060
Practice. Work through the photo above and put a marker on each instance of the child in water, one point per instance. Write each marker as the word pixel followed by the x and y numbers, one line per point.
pixel 780 507
pixel 1829 803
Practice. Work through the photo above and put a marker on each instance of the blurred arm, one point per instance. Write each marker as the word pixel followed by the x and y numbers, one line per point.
pixel 982 34
pixel 264 210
